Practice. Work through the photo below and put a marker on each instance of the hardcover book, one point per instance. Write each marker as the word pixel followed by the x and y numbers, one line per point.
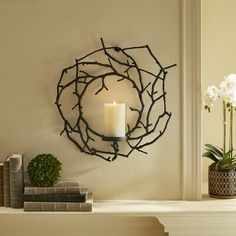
pixel 6 180
pixel 1 185
pixel 56 198
pixel 63 187
pixel 16 180
pixel 59 206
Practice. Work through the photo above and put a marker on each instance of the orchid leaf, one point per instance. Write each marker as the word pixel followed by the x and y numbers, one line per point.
pixel 217 150
pixel 211 156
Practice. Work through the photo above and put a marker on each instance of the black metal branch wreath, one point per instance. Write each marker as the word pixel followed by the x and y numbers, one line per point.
pixel 118 62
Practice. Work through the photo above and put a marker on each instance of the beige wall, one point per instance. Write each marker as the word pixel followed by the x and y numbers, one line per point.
pixel 39 39
pixel 218 60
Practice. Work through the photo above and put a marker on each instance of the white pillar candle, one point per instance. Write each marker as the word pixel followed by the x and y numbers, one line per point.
pixel 114 119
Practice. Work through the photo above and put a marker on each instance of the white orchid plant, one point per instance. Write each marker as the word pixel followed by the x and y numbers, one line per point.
pixel 226 93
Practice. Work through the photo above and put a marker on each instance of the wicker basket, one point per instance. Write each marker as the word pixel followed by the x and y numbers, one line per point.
pixel 221 183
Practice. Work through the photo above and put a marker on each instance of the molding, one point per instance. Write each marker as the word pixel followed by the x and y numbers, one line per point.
pixel 199 224
pixel 191 99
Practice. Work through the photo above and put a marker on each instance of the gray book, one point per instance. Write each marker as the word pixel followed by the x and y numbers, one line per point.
pixel 59 206
pixel 16 180
pixel 56 198
pixel 63 187
pixel 6 179
pixel 1 185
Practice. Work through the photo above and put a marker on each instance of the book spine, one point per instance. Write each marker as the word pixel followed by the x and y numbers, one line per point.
pixel 57 206
pixel 60 206
pixel 1 185
pixel 55 198
pixel 6 179
pixel 16 180
pixel 54 190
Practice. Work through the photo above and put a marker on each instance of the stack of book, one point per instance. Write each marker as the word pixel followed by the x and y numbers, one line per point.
pixel 64 196
pixel 12 181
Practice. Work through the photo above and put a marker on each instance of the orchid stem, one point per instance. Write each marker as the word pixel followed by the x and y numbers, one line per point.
pixel 224 127
pixel 231 130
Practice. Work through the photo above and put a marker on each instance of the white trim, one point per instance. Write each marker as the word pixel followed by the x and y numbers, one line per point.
pixel 191 99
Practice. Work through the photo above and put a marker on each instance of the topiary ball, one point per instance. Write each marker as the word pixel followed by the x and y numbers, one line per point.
pixel 44 170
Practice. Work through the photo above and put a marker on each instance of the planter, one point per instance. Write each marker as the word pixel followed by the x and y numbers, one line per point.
pixel 221 183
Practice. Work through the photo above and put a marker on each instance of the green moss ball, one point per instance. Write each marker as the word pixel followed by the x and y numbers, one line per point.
pixel 44 170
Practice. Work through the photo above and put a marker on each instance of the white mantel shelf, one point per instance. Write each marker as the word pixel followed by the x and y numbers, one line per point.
pixel 180 218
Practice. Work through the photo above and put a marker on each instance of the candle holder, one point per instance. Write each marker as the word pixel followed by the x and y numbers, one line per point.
pixel 114 144
pixel 121 63
pixel 117 139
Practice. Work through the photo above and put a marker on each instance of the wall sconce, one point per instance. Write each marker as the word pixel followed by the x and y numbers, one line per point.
pixel 117 64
